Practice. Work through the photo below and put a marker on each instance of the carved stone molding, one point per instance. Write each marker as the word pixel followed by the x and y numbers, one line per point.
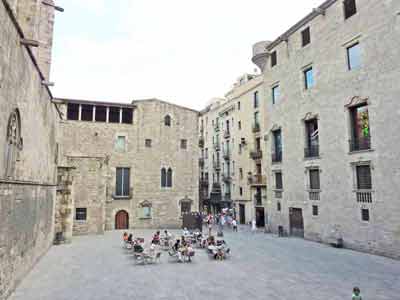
pixel 357 100
pixel 275 127
pixel 145 203
pixel 310 116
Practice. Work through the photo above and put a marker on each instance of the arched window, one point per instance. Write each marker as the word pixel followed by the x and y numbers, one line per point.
pixel 169 178
pixel 14 143
pixel 167 120
pixel 163 177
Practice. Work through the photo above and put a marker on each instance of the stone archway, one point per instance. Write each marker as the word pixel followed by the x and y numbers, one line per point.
pixel 122 220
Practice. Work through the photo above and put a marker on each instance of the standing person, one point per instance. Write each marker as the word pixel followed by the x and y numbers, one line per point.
pixel 356 294
pixel 234 225
pixel 209 223
pixel 253 226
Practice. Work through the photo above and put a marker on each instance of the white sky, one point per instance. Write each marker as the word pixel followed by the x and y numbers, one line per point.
pixel 182 51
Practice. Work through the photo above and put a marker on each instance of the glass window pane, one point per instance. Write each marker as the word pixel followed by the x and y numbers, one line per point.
pixel 309 78
pixel 120 144
pixel 275 94
pixel 146 212
pixel 126 179
pixel 118 185
pixel 354 57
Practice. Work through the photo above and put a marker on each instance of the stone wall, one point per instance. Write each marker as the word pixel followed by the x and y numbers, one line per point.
pixel 27 159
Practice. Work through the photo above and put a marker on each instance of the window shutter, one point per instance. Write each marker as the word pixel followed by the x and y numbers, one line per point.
pixel 364 181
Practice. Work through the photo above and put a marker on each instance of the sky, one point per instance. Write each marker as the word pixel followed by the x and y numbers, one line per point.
pixel 182 51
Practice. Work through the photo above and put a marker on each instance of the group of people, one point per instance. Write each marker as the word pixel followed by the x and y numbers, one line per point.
pixel 183 248
pixel 221 220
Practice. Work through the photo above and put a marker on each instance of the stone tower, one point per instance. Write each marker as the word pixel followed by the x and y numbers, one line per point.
pixel 36 18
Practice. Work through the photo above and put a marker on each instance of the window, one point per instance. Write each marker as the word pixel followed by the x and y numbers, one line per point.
pixel 73 111
pixel 238 105
pixel 365 214
pixel 163 177
pixel 101 114
pixel 146 212
pixel 167 120
pixel 206 153
pixel 122 182
pixel 240 125
pixel 240 191
pixel 148 143
pixel 278 206
pixel 312 138
pixel 241 173
pixel 314 179
pixel 354 57
pixel 275 94
pixel 186 207
pixel 278 181
pixel 120 144
pixel 183 144
pixel 256 99
pixel 87 112
pixel 364 180
pixel 274 59
pixel 277 146
pixel 113 114
pixel 308 78
pixel 306 36
pixel 350 8
pixel 360 131
pixel 81 214
pixel 257 118
pixel 315 210
pixel 127 115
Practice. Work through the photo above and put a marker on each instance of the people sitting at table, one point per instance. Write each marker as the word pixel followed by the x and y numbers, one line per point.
pixel 185 232
pixel 167 235
pixel 125 237
pixel 130 238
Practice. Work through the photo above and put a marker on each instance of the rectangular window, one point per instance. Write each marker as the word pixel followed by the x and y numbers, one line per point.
pixel 122 182
pixel 314 179
pixel 73 111
pixel 278 181
pixel 238 105
pixel 278 206
pixel 350 8
pixel 120 144
pixel 256 99
pixel 127 115
pixel 146 212
pixel 206 156
pixel 148 143
pixel 312 138
pixel 354 57
pixel 81 214
pixel 275 94
pixel 241 173
pixel 87 112
pixel 315 210
pixel 308 78
pixel 360 131
pixel 277 146
pixel 183 144
pixel 101 114
pixel 113 115
pixel 364 180
pixel 241 191
pixel 274 59
pixel 306 36
pixel 365 214
pixel 257 118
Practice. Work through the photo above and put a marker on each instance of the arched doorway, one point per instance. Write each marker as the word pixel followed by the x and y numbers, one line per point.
pixel 122 220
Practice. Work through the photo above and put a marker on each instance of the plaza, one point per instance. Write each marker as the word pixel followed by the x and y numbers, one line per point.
pixel 262 266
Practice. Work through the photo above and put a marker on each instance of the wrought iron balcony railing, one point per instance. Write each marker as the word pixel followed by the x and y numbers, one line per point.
pixel 360 144
pixel 257 179
pixel 277 157
pixel 311 151
pixel 256 154
pixel 256 127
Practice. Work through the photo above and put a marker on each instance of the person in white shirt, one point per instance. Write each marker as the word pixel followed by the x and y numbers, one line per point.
pixel 253 225
pixel 234 225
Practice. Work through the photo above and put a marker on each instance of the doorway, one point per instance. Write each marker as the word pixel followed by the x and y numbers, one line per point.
pixel 260 217
pixel 122 220
pixel 242 215
pixel 296 222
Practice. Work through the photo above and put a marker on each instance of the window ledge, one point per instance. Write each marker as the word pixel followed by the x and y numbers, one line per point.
pixel 314 191
pixel 80 221
pixel 361 151
pixel 278 190
pixel 363 191
pixel 312 158
pixel 121 197
pixel 145 218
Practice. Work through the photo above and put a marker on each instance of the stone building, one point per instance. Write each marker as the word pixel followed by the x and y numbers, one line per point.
pixel 28 157
pixel 332 132
pixel 232 169
pixel 130 165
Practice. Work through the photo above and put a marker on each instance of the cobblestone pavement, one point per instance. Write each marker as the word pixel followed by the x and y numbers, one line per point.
pixel 262 266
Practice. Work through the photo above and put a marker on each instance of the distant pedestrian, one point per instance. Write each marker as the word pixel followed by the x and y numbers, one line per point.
pixel 356 294
pixel 234 225
pixel 253 226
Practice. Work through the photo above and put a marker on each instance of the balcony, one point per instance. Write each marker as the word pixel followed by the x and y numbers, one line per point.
pixel 227 155
pixel 257 199
pixel 201 142
pixel 217 147
pixel 314 195
pixel 217 166
pixel 360 144
pixel 227 134
pixel 256 154
pixel 216 128
pixel 201 162
pixel 278 194
pixel 226 178
pixel 204 182
pixel 256 127
pixel 227 197
pixel 311 151
pixel 277 157
pixel 257 180
pixel 364 196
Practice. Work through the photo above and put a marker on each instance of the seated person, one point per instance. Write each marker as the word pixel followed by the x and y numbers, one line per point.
pixel 167 235
pixel 130 238
pixel 177 245
pixel 156 238
pixel 125 236
pixel 211 241
pixel 137 248
pixel 185 232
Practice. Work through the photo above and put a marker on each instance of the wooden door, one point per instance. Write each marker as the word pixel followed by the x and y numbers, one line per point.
pixel 296 222
pixel 260 217
pixel 122 220
pixel 242 216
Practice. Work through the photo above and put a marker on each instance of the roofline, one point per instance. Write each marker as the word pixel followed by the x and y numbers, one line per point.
pixel 93 102
pixel 311 16
pixel 165 102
